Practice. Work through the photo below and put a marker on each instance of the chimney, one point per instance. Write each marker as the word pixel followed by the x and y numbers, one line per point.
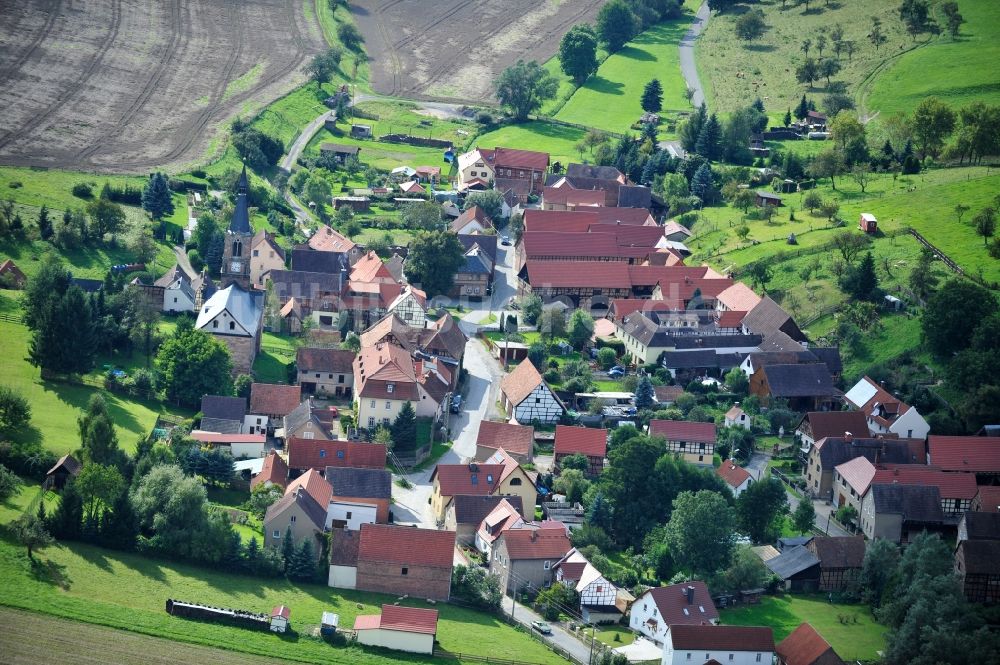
pixel 689 592
pixel 848 437
pixel 534 535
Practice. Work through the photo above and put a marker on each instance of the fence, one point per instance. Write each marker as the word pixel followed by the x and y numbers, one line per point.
pixel 438 653
pixel 278 350
pixel 10 318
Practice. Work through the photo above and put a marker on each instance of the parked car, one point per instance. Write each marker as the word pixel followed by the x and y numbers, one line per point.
pixel 616 372
pixel 505 241
pixel 542 627
pixel 456 404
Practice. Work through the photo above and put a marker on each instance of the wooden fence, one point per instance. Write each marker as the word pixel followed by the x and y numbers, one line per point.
pixel 10 318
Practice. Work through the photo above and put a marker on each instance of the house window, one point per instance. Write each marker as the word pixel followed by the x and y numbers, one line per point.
pixel 371 422
pixel 689 655
pixel 308 435
pixel 546 565
pixel 348 514
pixel 388 404
pixel 277 534
pixel 758 658
pixel 317 375
pixel 385 421
pixel 730 657
pixel 292 519
pixel 538 400
pixel 600 589
pixel 340 378
pixel 701 458
pixel 256 252
pixel 405 571
pixel 340 454
pixel 373 404
pixel 175 299
pixel 215 324
pixel 329 376
pixel 390 387
pixel 474 479
pixel 322 452
pixel 258 421
pixel 514 482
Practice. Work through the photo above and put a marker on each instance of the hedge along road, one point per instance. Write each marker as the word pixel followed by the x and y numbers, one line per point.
pixel 688 68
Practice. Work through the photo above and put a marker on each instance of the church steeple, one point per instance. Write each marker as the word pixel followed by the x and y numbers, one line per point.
pixel 241 216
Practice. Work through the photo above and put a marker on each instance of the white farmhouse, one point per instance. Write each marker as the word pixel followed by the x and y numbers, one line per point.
pixel 736 645
pixel 401 628
pixel 655 611
pixel 526 397
pixel 597 594
pixel 886 414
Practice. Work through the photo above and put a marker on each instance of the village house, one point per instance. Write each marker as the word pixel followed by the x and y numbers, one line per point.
pixel 805 387
pixel 472 221
pixel 297 515
pixel 239 446
pixel 274 471
pixel 466 513
pixel 978 455
pixel 504 516
pixel 852 480
pixel 514 480
pixel 796 566
pixel 737 479
pixel 899 512
pixel 653 612
pixel 523 558
pixel 987 500
pixel 977 557
pixel 235 317
pixel 886 414
pixel 737 417
pixel 305 454
pixel 269 404
pixel 410 629
pixel 739 645
pixel 386 377
pixel 11 276
pixel 358 496
pixel 526 397
pixel 308 421
pixel 597 594
pixel 816 425
pixel 692 442
pixel 474 278
pixel 265 255
pixel 314 291
pixel 522 171
pixel 221 413
pixel 516 440
pixel 397 560
pixel 806 647
pixel 474 168
pixel 178 294
pixel 833 451
pixel 567 198
pixel 325 371
pixel 589 442
pixel 328 240
pixel 451 480
pixel 306 259
pixel 340 153
pixel 840 560
pixel 578 221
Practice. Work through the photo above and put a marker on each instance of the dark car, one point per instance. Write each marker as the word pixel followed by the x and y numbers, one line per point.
pixel 456 404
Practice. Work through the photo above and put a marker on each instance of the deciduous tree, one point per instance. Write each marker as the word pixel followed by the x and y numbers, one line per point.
pixel 578 53
pixel 31 533
pixel 933 122
pixel 434 258
pixel 580 329
pixel 524 87
pixel 192 363
pixel 751 25
pixel 616 24
pixel 700 532
pixel 804 516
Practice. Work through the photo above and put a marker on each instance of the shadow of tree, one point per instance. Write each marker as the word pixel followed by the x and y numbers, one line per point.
pixel 50 572
pixel 602 85
pixel 760 48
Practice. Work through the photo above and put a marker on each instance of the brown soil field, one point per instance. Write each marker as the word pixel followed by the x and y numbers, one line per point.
pixel 29 638
pixel 453 49
pixel 128 86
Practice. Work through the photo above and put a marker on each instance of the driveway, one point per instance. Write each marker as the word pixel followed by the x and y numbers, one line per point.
pixel 688 68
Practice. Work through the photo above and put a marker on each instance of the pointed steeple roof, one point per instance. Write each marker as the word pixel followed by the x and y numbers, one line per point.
pixel 241 216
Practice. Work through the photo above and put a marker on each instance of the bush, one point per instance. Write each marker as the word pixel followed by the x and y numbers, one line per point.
pixel 607 358
pixel 552 376
pixel 83 190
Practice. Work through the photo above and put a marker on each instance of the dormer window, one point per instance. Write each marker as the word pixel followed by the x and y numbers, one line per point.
pixel 489 478
pixel 390 387
pixel 474 479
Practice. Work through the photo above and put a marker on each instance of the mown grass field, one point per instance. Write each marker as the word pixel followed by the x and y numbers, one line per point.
pixel 557 140
pixel 610 99
pixel 734 72
pixel 858 639
pixel 56 406
pixel 959 71
pixel 128 591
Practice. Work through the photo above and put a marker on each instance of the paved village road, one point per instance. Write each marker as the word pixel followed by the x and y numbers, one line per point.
pixel 559 637
pixel 688 68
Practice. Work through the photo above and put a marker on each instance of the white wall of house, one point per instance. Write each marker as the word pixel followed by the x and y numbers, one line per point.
pixel 247 450
pixel 542 404
pixel 673 656
pixel 742 420
pixel 645 619
pixel 475 169
pixel 398 640
pixel 224 323
pixel 176 300
pixel 426 406
pixel 409 311
pixel 343 577
pixel 255 424
pixel 374 412
pixel 600 592
pixel 355 514
pixel 910 425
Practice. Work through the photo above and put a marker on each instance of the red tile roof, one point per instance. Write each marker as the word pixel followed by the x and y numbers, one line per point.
pixel 722 638
pixel 473 214
pixel 681 430
pixel 858 473
pixel 731 319
pixel 951 485
pixel 382 365
pixel 402 619
pixel 571 440
pixel 370 268
pixel 671 601
pixel 653 275
pixel 328 240
pixel 578 274
pixel 536 543
pixel 557 244
pixel 314 485
pixel 518 159
pixel 274 471
pixel 989 499
pixel 519 383
pixel 515 439
pixel 574 197
pixel 739 297
pixel 388 543
pixel 559 220
pixel 806 647
pixel 274 399
pixel 973 454
pixel 470 479
pixel 318 454
pixel 632 216
pixel 281 611
pixel 732 473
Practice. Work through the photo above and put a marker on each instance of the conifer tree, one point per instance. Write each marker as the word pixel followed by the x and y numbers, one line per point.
pixel 156 198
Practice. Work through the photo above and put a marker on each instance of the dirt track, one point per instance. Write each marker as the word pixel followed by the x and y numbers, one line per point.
pixel 453 49
pixel 127 86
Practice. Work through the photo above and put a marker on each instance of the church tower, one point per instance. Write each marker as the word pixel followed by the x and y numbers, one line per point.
pixel 239 237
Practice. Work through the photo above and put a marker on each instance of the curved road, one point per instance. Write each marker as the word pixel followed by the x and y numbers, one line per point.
pixel 688 68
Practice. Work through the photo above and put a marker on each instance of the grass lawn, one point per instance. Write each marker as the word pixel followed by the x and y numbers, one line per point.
pixel 15 506
pixel 959 71
pixel 56 406
pixel 610 98
pixel 52 187
pixel 399 236
pixel 860 639
pixel 614 635
pixel 271 365
pixel 129 591
pixel 557 140
pixel 733 72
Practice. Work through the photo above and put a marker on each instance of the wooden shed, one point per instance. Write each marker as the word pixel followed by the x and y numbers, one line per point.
pixel 868 223
pixel 67 467
pixel 767 199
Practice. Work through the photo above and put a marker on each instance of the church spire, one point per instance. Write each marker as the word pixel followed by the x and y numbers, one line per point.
pixel 241 216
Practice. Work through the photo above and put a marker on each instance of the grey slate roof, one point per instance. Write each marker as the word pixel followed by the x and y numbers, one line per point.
pixel 792 562
pixel 298 417
pixel 592 171
pixel 475 265
pixel 633 196
pixel 831 356
pixel 982 526
pixel 487 243
pixel 768 317
pixel 87 285
pixel 221 425
pixel 837 450
pixel 315 512
pixel 474 509
pixel 792 541
pixel 223 407
pixel 812 380
pixel 245 307
pixel 241 215
pixel 916 503
pixel 301 284
pixel 360 483
pixel 311 260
